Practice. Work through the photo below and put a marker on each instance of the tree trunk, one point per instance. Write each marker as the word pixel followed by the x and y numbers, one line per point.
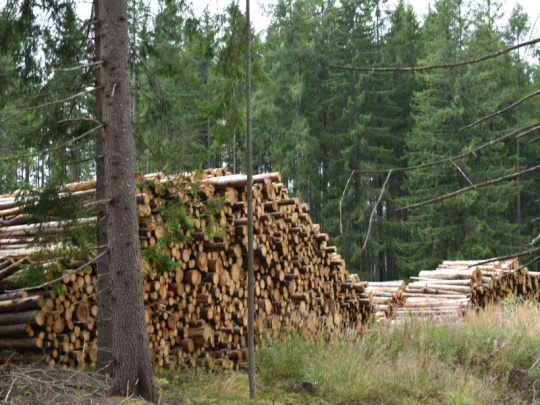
pixel 104 357
pixel 132 371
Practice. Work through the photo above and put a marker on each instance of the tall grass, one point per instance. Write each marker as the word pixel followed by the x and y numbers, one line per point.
pixel 416 362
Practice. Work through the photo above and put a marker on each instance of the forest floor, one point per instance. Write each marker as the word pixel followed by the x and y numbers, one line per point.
pixel 490 357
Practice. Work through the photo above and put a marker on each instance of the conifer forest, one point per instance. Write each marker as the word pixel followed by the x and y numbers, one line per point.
pixel 289 196
pixel 333 132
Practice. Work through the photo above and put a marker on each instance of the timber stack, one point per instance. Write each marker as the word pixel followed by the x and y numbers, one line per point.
pixel 455 286
pixel 440 294
pixel 388 296
pixel 193 232
pixel 501 280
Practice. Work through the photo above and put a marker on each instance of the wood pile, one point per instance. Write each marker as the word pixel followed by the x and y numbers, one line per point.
pixel 440 294
pixel 454 286
pixel 196 307
pixel 502 280
pixel 388 297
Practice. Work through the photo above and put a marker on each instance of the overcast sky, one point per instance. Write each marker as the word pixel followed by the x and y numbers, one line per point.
pixel 260 21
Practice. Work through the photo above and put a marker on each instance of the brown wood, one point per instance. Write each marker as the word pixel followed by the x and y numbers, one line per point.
pixel 35 317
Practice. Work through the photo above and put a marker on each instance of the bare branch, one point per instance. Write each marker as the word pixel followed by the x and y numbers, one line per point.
pixel 39 152
pixel 530 129
pixel 529 262
pixel 473 187
pixel 463 173
pixel 513 105
pixel 440 66
pixel 73 97
pixel 74 68
pixel 375 208
pixel 535 240
pixel 75 120
pixel 511 256
pixel 341 202
pixel 37 287
pixel 82 93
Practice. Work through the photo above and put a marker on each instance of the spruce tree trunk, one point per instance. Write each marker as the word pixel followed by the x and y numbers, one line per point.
pixel 104 325
pixel 132 371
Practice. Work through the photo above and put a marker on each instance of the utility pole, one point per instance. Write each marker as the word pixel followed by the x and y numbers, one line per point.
pixel 249 158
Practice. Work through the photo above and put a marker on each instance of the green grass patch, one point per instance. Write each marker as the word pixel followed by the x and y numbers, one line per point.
pixel 483 360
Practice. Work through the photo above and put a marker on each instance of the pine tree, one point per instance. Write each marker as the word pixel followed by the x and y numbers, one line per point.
pixel 436 232
pixel 132 370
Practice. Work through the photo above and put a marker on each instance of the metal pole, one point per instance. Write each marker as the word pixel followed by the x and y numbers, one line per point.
pixel 249 158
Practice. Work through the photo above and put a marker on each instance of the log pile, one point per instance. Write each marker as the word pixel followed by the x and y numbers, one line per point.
pixel 388 297
pixel 440 294
pixel 454 286
pixel 502 280
pixel 196 304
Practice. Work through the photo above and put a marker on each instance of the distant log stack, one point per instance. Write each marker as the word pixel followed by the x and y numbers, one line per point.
pixel 455 286
pixel 197 312
pixel 505 279
pixel 440 294
pixel 388 297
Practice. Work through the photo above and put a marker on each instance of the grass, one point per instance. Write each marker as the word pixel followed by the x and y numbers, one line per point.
pixel 483 360
pixel 486 359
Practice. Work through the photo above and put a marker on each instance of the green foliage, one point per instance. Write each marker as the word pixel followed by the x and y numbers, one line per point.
pixel 163 262
pixel 213 229
pixel 178 225
pixel 310 122
pixel 36 273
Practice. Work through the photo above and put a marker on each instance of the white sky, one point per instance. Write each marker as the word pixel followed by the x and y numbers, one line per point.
pixel 260 21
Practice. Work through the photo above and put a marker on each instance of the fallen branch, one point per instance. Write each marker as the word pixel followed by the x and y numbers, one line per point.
pixel 487 117
pixel 375 208
pixel 473 187
pixel 440 66
pixel 530 129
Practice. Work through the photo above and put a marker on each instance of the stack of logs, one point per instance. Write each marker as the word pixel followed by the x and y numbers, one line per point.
pixel 454 286
pixel 388 297
pixel 502 280
pixel 196 310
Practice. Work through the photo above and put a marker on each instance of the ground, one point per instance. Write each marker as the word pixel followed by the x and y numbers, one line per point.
pixel 491 357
